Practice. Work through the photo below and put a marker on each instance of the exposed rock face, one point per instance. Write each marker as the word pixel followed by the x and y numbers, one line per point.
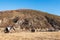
pixel 30 19
pixel 53 23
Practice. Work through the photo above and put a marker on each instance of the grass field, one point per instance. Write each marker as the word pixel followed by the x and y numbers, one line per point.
pixel 30 36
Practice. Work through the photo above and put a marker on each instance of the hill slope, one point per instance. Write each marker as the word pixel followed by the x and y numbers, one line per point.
pixel 28 19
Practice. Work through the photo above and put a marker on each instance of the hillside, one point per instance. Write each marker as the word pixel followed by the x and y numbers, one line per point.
pixel 28 19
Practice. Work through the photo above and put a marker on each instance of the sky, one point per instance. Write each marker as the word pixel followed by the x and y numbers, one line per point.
pixel 50 6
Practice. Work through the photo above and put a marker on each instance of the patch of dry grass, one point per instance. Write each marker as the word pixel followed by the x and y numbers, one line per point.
pixel 30 36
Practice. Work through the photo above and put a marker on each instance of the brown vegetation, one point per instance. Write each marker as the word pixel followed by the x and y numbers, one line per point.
pixel 31 36
pixel 30 18
pixel 39 23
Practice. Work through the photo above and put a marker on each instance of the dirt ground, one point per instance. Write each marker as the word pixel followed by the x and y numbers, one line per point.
pixel 30 36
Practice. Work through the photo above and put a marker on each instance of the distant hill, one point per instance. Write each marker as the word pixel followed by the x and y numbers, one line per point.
pixel 30 19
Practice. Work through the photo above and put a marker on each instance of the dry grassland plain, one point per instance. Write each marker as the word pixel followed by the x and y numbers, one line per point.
pixel 30 36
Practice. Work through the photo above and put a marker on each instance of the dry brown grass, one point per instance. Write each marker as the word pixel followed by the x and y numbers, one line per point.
pixel 30 36
pixel 32 14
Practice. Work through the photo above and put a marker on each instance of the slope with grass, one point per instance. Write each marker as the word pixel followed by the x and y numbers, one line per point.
pixel 32 19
